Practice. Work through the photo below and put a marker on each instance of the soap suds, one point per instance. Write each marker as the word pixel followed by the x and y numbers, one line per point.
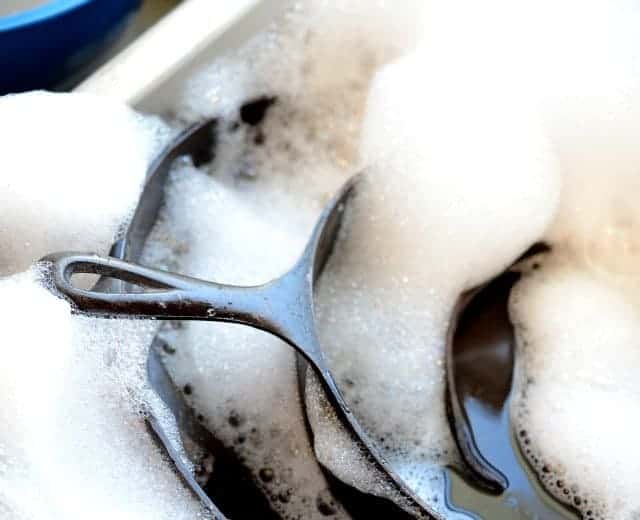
pixel 462 182
pixel 241 381
pixel 459 180
pixel 248 217
pixel 73 167
pixel 74 390
pixel 579 391
pixel 74 393
pixel 434 152
pixel 576 319
pixel 576 316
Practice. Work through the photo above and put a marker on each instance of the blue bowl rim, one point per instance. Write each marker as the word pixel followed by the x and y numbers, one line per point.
pixel 49 10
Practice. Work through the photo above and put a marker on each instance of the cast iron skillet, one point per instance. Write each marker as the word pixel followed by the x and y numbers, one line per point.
pixel 282 307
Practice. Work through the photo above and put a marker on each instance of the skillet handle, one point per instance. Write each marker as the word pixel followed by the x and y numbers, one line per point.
pixel 152 293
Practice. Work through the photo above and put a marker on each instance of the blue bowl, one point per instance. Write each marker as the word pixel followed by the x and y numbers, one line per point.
pixel 44 45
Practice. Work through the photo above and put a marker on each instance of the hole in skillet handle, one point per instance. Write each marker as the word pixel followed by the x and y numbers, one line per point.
pixel 198 141
pixel 157 295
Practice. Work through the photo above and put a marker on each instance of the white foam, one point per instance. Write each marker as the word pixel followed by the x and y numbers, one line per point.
pixel 459 181
pixel 579 398
pixel 249 220
pixel 74 394
pixel 73 391
pixel 462 182
pixel 577 320
pixel 577 316
pixel 422 125
pixel 583 73
pixel 243 382
pixel 73 166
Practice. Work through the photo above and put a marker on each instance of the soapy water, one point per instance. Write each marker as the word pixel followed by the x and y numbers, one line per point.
pixel 473 148
pixel 577 391
pixel 484 147
pixel 462 173
pixel 383 313
pixel 73 168
pixel 74 400
pixel 576 397
pixel 578 387
pixel 74 389
pixel 288 138
pixel 290 157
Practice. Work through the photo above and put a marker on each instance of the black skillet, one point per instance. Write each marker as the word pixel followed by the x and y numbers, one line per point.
pixel 283 307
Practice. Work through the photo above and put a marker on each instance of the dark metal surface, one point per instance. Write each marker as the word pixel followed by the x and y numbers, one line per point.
pixel 229 483
pixel 480 361
pixel 480 370
pixel 198 142
pixel 283 307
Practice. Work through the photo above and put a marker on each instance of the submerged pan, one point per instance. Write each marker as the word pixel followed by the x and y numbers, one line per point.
pixel 480 352
pixel 282 307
